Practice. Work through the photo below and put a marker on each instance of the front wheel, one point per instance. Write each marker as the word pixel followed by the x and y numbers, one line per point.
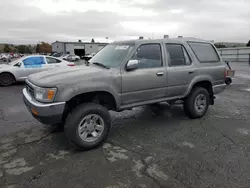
pixel 6 79
pixel 196 104
pixel 87 126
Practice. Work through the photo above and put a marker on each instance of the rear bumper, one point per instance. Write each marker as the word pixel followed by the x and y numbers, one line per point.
pixel 219 88
pixel 45 113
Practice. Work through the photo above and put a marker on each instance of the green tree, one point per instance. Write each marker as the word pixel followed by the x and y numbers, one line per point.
pixel 29 49
pixel 21 49
pixel 6 48
pixel 248 44
pixel 37 48
pixel 24 49
pixel 44 47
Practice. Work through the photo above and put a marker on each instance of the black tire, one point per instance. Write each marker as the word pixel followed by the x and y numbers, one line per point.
pixel 189 103
pixel 228 81
pixel 7 79
pixel 74 118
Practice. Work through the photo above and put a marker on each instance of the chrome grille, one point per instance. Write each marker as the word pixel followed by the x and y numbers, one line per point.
pixel 30 90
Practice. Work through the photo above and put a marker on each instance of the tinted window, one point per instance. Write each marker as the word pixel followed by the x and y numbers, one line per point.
pixel 148 55
pixel 204 52
pixel 51 60
pixel 178 55
pixel 33 61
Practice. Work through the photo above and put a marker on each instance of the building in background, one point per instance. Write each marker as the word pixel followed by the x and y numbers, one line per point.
pixel 77 48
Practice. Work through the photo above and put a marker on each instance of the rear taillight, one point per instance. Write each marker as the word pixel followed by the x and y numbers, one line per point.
pixel 71 65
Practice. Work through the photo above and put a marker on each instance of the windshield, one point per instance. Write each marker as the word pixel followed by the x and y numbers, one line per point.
pixel 112 55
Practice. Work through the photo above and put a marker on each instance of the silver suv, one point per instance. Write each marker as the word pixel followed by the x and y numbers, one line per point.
pixel 121 76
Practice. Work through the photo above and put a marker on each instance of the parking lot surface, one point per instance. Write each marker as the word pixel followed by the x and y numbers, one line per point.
pixel 148 147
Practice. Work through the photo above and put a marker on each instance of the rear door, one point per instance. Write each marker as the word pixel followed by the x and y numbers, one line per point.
pixel 181 69
pixel 53 63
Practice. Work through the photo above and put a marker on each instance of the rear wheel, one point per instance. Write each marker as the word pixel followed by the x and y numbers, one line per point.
pixel 196 104
pixel 6 79
pixel 87 126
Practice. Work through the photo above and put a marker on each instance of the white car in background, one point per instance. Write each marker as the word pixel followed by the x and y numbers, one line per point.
pixel 5 57
pixel 70 57
pixel 89 56
pixel 20 69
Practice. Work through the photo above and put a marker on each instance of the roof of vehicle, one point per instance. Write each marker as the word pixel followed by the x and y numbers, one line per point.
pixel 170 40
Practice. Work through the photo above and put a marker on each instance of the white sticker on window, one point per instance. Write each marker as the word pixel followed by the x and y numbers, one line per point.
pixel 121 47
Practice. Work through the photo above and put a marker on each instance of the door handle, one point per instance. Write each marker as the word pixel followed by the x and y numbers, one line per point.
pixel 191 72
pixel 159 73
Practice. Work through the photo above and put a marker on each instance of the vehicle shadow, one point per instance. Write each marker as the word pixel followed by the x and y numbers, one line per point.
pixel 134 122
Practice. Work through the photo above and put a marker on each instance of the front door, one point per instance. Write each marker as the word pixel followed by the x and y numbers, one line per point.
pixel 148 82
pixel 180 71
pixel 31 65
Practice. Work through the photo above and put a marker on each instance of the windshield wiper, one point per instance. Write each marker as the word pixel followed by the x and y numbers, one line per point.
pixel 102 65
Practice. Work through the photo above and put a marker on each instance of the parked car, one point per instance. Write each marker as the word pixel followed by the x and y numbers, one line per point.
pixel 121 76
pixel 64 56
pixel 89 56
pixel 56 54
pixel 72 58
pixel 6 57
pixel 20 69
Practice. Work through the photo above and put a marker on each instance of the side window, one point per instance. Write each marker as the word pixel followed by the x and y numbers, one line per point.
pixel 31 62
pixel 149 56
pixel 178 55
pixel 51 60
pixel 205 52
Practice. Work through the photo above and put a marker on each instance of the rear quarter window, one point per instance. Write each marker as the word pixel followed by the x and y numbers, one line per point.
pixel 205 52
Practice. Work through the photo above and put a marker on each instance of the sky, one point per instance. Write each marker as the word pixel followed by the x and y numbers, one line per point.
pixel 31 21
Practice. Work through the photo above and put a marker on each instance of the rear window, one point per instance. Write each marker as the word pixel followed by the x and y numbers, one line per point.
pixel 205 52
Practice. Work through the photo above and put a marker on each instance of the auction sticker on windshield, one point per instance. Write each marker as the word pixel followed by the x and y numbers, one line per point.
pixel 121 47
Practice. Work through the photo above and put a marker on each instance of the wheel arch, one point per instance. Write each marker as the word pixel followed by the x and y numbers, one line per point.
pixel 104 98
pixel 207 84
pixel 8 73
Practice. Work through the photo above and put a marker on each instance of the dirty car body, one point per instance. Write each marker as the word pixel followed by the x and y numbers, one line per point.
pixel 128 74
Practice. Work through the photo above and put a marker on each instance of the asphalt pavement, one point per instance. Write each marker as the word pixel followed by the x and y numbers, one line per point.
pixel 149 147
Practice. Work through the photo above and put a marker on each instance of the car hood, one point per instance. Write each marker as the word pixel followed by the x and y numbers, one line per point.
pixel 67 75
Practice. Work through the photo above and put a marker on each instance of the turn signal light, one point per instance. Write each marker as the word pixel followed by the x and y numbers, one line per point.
pixel 51 94
pixel 71 65
pixel 34 111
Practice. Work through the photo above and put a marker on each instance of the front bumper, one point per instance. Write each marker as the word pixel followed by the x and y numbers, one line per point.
pixel 219 88
pixel 45 113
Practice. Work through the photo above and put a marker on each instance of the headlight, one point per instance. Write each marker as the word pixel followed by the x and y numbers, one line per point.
pixel 45 94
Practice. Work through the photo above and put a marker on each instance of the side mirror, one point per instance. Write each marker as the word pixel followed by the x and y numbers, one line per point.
pixel 132 65
pixel 18 64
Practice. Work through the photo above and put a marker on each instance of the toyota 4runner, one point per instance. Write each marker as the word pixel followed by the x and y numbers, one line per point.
pixel 121 76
